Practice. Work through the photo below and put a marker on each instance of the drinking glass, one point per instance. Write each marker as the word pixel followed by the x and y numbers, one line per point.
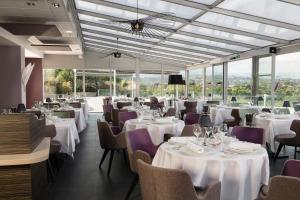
pixel 197 131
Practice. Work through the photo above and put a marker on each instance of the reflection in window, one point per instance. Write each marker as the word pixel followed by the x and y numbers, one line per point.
pixel 287 72
pixel 239 80
pixel 58 82
pixel 195 83
pixel 97 83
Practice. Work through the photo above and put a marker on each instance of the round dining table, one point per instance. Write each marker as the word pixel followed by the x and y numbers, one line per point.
pixel 157 127
pixel 241 175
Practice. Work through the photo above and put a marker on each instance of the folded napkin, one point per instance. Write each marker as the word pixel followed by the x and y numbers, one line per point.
pixel 178 140
pixel 244 146
pixel 195 148
pixel 164 120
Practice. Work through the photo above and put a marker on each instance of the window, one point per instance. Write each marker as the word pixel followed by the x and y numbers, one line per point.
pixel 150 85
pixel 287 81
pixel 58 82
pixel 195 83
pixel 218 82
pixel 239 80
pixel 124 84
pixel 97 83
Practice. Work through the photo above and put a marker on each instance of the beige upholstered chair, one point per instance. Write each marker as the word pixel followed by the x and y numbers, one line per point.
pixel 281 188
pixel 170 112
pixel 110 142
pixel 188 130
pixel 172 184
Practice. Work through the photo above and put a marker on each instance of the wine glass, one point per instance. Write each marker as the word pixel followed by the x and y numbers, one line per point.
pixel 197 131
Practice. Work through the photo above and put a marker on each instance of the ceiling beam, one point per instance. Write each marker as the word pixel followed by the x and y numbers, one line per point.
pixel 236 14
pixel 114 46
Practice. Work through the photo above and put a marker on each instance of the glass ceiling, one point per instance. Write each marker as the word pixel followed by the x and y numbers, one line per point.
pixel 180 33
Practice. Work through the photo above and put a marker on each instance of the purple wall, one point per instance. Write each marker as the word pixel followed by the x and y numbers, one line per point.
pixel 34 87
pixel 10 75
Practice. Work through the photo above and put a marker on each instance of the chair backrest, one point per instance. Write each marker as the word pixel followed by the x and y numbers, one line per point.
pixel 188 130
pixel 283 187
pixel 106 137
pixel 153 100
pixel 190 106
pixel 48 100
pixel 75 104
pixel 21 108
pixel 124 116
pixel 171 184
pixel 266 110
pixel 107 108
pixel 115 116
pixel 249 134
pixel 291 168
pixel 120 105
pixel 295 126
pixel 147 180
pixel 50 131
pixel 235 113
pixel 64 113
pixel 170 112
pixel 141 140
pixel 296 106
pixel 192 118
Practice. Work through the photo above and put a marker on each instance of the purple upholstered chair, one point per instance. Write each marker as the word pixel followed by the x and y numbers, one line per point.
pixel 249 134
pixel 139 146
pixel 124 116
pixel 192 118
pixel 170 112
pixel 107 112
pixel 291 168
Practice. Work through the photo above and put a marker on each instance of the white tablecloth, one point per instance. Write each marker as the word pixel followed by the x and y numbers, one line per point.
pixel 155 129
pixel 274 125
pixel 80 119
pixel 85 107
pixel 66 134
pixel 241 176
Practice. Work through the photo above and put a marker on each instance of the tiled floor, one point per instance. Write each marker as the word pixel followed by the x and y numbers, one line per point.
pixel 81 179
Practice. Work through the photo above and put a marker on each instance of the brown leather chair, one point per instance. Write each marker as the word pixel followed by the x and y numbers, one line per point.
pixel 289 139
pixel 110 142
pixel 188 130
pixel 115 116
pixel 266 110
pixel 64 113
pixel 120 105
pixel 172 184
pixel 281 187
pixel 235 113
pixel 75 104
pixel 170 112
pixel 154 104
pixel 190 107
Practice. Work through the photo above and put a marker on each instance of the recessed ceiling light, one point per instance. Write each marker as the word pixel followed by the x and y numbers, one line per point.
pixel 55 5
pixel 69 32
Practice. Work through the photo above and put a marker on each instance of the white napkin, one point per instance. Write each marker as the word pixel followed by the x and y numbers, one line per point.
pixel 243 147
pixel 195 148
pixel 177 140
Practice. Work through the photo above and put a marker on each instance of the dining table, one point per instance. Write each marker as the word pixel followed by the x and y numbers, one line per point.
pixel 156 127
pixel 241 167
pixel 274 124
pixel 66 134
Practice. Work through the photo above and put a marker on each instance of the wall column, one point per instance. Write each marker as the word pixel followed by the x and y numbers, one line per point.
pixel 137 75
pixel 115 83
pixel 187 77
pixel 225 81
pixel 273 64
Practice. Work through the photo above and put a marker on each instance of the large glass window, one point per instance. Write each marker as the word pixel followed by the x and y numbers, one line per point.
pixel 97 83
pixel 124 85
pixel 195 83
pixel 287 84
pixel 239 80
pixel 265 80
pixel 150 85
pixel 58 82
pixel 218 82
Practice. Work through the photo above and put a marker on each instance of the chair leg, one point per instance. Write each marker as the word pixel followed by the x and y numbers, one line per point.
pixel 133 183
pixel 103 157
pixel 50 170
pixel 110 161
pixel 278 151
pixel 124 154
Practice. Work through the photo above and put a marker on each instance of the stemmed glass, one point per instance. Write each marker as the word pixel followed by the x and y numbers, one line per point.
pixel 197 131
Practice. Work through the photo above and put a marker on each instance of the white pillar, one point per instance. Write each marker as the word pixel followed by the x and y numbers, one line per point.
pixel 75 84
pixel 187 77
pixel 225 81
pixel 204 83
pixel 137 75
pixel 110 83
pixel 162 81
pixel 83 83
pixel 273 63
pixel 115 84
pixel 132 88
